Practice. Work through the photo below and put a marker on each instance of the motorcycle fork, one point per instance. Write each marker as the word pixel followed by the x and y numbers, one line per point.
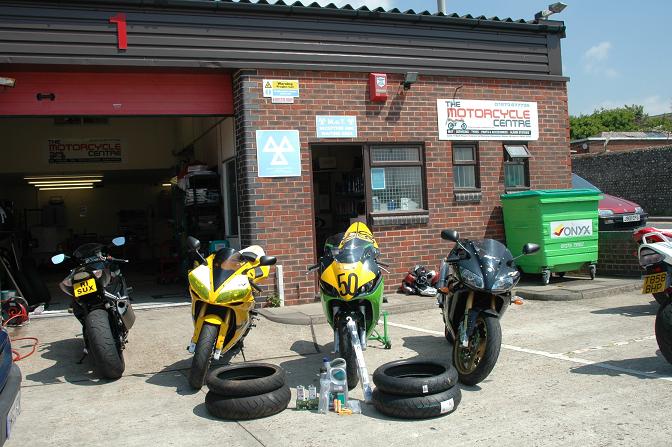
pixel 466 323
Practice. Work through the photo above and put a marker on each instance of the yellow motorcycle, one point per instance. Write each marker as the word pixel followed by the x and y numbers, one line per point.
pixel 222 300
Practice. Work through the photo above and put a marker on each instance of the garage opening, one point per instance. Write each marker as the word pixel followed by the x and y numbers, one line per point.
pixel 70 180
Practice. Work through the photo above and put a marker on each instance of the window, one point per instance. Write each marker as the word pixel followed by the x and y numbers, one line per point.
pixel 516 166
pixel 397 184
pixel 465 166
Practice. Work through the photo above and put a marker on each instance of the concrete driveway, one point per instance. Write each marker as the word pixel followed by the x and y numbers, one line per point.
pixel 570 373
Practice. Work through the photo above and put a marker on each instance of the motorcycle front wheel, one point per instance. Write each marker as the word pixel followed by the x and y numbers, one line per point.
pixel 108 359
pixel 664 331
pixel 475 361
pixel 348 354
pixel 203 355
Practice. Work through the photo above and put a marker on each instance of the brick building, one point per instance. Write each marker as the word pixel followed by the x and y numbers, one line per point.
pixel 475 107
pixel 620 142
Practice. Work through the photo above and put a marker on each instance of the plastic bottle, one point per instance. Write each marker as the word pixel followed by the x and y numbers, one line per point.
pixel 325 392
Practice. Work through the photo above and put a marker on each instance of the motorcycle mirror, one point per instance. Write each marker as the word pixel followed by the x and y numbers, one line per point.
pixel 57 259
pixel 267 260
pixel 248 256
pixel 119 241
pixel 530 248
pixel 450 235
pixel 193 243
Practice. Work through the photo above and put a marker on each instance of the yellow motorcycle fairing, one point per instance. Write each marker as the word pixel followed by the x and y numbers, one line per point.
pixel 347 278
pixel 358 230
pixel 228 304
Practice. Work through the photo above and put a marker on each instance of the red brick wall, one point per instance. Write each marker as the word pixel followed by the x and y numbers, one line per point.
pixel 278 213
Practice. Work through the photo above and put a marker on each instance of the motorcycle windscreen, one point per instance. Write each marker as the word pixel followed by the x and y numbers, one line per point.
pixel 225 263
pixel 493 256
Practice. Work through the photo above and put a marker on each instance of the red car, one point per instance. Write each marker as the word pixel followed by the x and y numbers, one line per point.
pixel 615 213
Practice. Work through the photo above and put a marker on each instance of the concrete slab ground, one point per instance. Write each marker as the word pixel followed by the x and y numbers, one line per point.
pixel 570 373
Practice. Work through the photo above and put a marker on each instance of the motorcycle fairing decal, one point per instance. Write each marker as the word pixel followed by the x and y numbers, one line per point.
pixel 358 230
pixel 347 278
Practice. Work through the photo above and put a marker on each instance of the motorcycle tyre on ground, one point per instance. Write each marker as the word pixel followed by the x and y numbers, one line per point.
pixel 108 359
pixel 417 407
pixel 348 354
pixel 246 379
pixel 250 407
pixel 662 298
pixel 493 344
pixel 663 327
pixel 205 346
pixel 415 377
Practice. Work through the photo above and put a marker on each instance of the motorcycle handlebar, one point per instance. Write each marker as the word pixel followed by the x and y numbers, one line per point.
pixel 312 267
pixel 255 287
pixel 384 264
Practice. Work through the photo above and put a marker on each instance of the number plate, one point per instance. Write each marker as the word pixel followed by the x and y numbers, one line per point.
pixel 631 218
pixel 14 412
pixel 655 283
pixel 85 287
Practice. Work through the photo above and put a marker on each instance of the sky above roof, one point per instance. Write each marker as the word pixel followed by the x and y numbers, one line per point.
pixel 616 52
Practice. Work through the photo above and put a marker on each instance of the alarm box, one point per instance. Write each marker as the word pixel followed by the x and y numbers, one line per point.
pixel 378 87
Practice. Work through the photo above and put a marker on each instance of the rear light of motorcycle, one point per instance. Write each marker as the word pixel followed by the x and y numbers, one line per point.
pixel 648 256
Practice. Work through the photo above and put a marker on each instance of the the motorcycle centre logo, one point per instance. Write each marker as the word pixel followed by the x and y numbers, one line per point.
pixel 571 228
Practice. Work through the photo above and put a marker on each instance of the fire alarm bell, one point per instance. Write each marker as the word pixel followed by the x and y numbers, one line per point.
pixel 378 87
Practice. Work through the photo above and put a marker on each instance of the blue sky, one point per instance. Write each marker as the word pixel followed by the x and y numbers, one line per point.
pixel 616 52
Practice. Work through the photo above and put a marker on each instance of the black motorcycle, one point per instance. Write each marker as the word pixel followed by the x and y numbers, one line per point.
pixel 475 283
pixel 101 304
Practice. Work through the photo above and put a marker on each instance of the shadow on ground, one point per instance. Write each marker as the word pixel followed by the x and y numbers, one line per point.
pixel 67 354
pixel 638 310
pixel 653 365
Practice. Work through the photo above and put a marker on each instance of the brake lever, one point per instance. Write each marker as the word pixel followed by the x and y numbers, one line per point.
pixel 312 268
pixel 255 287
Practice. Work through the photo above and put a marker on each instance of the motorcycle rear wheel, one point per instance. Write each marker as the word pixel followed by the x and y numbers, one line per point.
pixel 475 362
pixel 108 359
pixel 348 354
pixel 203 355
pixel 663 327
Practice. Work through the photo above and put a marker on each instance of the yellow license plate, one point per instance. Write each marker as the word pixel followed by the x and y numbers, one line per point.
pixel 655 283
pixel 85 287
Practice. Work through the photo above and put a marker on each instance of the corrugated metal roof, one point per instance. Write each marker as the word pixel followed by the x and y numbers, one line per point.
pixel 348 7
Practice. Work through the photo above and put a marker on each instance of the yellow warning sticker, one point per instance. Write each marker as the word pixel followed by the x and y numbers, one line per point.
pixel 281 88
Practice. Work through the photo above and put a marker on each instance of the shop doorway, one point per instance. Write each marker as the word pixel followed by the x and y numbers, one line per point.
pixel 339 195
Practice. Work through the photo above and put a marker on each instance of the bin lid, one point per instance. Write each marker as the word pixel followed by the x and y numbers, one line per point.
pixel 554 194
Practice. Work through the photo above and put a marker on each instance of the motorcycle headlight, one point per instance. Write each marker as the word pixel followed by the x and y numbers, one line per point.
pixel 471 278
pixel 639 210
pixel 366 288
pixel 504 283
pixel 648 256
pixel 605 213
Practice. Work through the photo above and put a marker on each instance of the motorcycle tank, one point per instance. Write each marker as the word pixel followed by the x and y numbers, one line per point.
pixel 488 259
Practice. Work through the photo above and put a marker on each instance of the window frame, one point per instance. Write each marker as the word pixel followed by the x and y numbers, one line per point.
pixel 476 163
pixel 511 161
pixel 369 163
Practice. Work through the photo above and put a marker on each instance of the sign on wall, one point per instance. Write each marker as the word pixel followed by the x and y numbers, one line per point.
pixel 571 228
pixel 336 126
pixel 281 91
pixel 465 119
pixel 85 150
pixel 278 153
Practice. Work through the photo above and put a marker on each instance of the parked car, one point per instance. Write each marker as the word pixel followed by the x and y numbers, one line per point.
pixel 615 213
pixel 10 388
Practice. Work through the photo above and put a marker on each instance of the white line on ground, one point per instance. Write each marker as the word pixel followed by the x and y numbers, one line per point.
pixel 611 345
pixel 65 313
pixel 553 356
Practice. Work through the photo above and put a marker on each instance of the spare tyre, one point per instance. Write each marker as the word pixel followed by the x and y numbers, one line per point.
pixel 418 407
pixel 245 379
pixel 415 377
pixel 250 407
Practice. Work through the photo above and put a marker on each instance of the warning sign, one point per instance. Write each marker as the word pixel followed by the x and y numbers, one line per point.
pixel 278 88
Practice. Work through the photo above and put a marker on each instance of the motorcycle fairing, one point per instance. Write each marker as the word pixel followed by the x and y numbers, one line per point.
pixel 347 278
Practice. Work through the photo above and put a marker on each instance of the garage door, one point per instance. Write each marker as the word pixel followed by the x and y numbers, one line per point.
pixel 94 93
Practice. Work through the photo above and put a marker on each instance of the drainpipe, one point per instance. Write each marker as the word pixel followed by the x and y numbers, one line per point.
pixel 441 4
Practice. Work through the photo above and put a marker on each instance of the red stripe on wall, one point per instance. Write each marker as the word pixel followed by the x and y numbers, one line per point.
pixel 95 93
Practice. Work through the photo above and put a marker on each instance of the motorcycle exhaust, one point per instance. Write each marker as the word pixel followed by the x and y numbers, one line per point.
pixel 126 312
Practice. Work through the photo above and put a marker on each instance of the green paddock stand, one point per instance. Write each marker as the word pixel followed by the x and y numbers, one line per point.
pixel 385 337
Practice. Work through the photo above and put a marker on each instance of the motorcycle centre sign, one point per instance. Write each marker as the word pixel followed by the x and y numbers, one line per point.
pixel 465 119
pixel 85 150
pixel 571 228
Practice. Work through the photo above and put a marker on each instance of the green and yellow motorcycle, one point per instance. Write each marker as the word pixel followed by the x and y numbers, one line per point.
pixel 351 291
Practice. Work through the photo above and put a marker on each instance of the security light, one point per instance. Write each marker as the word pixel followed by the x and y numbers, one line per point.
pixel 410 79
pixel 553 8
pixel 7 82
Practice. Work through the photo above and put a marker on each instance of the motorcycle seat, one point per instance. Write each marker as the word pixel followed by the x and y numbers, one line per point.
pixel 640 233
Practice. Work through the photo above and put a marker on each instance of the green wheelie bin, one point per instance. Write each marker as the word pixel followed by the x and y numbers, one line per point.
pixel 563 222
